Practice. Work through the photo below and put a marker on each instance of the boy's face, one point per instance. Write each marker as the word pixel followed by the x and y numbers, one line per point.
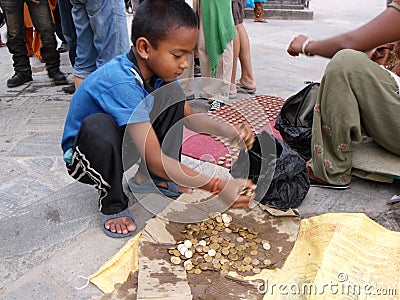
pixel 170 58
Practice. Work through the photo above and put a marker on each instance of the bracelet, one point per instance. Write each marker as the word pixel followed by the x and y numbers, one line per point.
pixel 303 47
pixel 215 189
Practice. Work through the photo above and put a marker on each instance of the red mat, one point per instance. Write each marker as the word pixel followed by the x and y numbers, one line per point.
pixel 259 112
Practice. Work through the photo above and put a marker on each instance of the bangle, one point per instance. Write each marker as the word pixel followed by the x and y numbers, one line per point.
pixel 215 185
pixel 303 47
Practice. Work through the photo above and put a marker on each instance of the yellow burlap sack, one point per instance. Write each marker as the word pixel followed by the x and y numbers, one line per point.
pixel 337 256
pixel 117 268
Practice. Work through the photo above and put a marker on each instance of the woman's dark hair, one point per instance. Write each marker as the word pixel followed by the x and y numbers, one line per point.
pixel 155 18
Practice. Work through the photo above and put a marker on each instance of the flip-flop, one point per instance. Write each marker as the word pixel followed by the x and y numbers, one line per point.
pixel 124 213
pixel 151 186
pixel 232 95
pixel 245 88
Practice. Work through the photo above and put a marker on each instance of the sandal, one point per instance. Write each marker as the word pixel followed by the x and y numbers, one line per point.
pixel 152 186
pixel 245 88
pixel 124 213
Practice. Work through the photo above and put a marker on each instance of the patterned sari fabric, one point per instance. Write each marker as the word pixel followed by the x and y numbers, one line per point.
pixel 357 97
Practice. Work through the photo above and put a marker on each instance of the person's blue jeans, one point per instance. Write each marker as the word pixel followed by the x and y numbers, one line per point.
pixel 68 28
pixel 43 23
pixel 102 33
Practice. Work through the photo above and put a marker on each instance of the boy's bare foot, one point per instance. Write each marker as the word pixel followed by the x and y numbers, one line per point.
pixel 121 225
pixel 140 178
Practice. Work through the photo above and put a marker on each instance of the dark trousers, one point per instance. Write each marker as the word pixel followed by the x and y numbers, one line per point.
pixel 43 23
pixel 102 152
pixel 68 28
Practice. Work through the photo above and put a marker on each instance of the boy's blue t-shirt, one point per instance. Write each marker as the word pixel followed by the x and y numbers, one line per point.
pixel 115 89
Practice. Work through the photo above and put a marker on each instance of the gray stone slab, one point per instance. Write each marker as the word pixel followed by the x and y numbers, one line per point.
pixel 8 141
pixel 39 144
pixel 40 288
pixel 27 190
pixel 50 170
pixel 9 171
pixel 13 120
pixel 8 204
pixel 34 233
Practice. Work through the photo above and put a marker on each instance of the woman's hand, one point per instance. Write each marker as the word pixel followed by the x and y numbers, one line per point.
pixel 238 192
pixel 295 47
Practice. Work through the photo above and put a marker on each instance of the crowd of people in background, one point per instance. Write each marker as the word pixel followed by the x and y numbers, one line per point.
pixel 90 41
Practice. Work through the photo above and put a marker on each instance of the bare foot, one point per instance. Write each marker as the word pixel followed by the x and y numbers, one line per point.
pixel 140 178
pixel 121 225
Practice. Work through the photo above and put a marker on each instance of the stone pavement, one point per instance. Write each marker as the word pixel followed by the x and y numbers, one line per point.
pixel 50 233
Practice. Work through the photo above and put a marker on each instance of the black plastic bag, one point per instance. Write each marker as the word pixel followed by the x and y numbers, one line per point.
pixel 280 172
pixel 295 119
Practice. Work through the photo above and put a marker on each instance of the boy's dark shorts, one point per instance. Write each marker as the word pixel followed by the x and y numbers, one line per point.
pixel 238 10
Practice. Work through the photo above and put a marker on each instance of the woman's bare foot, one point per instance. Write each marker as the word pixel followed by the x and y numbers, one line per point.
pixel 121 225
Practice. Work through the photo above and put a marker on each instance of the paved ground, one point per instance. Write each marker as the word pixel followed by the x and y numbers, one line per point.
pixel 50 229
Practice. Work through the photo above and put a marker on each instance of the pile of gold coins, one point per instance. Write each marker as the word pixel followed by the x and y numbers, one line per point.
pixel 217 244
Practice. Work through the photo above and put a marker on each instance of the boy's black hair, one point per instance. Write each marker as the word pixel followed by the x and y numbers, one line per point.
pixel 155 18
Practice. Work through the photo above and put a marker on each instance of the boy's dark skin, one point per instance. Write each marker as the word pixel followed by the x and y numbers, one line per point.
pixel 168 60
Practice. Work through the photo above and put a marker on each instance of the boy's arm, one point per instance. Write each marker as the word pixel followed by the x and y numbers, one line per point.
pixel 201 123
pixel 157 162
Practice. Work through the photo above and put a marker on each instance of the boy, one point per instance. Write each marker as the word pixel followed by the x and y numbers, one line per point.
pixel 114 99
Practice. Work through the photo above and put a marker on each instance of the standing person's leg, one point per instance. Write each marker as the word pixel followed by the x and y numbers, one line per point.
pixel 110 29
pixel 86 53
pixel 14 11
pixel 202 49
pixel 102 34
pixel 237 12
pixel 59 33
pixel 69 32
pixel 247 81
pixel 355 94
pixel 68 28
pixel 43 23
pixel 259 12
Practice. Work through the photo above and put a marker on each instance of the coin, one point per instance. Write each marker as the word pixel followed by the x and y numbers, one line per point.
pixel 197 271
pixel 256 270
pixel 267 262
pixel 212 252
pixel 225 251
pixel 214 246
pixel 175 260
pixel 188 243
pixel 188 254
pixel 266 245
pixel 253 252
pixel 183 250
pixel 247 260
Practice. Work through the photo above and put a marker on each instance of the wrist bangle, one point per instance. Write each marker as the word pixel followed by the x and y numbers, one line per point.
pixel 215 190
pixel 303 47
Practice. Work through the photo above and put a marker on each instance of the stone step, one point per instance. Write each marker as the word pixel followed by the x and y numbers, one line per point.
pixel 283 14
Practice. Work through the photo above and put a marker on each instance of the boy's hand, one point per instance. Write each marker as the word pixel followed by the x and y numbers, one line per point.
pixel 232 192
pixel 243 134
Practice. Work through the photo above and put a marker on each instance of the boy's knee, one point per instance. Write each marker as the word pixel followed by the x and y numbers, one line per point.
pixel 99 128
